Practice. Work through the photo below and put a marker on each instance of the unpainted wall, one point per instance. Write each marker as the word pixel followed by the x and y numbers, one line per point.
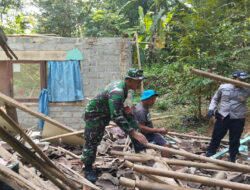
pixel 105 60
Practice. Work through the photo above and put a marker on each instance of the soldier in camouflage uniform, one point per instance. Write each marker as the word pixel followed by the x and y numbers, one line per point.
pixel 106 106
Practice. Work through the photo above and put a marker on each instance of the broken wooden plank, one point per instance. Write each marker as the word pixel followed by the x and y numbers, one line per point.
pixel 234 166
pixel 187 177
pixel 14 180
pixel 219 78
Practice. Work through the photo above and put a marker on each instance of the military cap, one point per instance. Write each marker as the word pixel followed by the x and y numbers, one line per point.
pixel 136 74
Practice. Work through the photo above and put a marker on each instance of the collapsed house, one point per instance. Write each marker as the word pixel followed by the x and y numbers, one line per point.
pixel 45 165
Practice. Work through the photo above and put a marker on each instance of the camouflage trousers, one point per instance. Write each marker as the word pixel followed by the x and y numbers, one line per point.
pixel 94 131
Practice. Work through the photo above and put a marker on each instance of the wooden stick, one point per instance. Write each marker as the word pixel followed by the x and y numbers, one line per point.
pixel 24 108
pixel 66 151
pixel 19 130
pixel 194 137
pixel 219 78
pixel 62 135
pixel 138 57
pixel 159 118
pixel 145 185
pixel 187 177
pixel 234 166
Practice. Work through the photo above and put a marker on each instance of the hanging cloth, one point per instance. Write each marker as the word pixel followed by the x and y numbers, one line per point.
pixel 43 106
pixel 65 81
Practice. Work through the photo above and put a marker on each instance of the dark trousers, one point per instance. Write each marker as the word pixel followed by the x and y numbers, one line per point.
pixel 222 125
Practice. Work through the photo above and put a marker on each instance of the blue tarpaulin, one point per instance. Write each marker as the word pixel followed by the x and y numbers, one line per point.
pixel 43 106
pixel 65 81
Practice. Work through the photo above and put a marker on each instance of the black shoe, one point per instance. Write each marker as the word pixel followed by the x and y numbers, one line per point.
pixel 138 146
pixel 208 154
pixel 90 174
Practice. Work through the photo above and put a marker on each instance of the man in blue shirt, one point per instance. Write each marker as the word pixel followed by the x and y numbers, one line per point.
pixel 142 114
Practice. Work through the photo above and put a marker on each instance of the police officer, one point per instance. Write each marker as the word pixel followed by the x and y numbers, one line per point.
pixel 106 106
pixel 230 114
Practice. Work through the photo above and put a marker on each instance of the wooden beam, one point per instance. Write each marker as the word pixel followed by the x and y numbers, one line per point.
pixel 219 78
pixel 37 114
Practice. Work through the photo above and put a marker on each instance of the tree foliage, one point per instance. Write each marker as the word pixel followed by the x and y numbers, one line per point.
pixel 211 35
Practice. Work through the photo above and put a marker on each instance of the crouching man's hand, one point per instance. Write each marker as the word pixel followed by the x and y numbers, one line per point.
pixel 140 137
pixel 162 131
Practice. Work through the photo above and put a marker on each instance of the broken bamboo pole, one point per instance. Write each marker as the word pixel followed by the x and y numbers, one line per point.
pixel 19 130
pixel 187 177
pixel 177 162
pixel 219 78
pixel 144 158
pixel 194 137
pixel 162 117
pixel 233 166
pixel 24 108
pixel 15 180
pixel 145 185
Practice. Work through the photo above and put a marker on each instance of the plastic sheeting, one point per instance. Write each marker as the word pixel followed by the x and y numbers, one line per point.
pixel 65 81
pixel 43 106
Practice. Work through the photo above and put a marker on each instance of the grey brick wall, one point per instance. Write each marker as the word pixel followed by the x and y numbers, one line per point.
pixel 105 60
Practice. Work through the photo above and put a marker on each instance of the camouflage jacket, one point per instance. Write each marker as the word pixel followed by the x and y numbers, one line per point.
pixel 109 105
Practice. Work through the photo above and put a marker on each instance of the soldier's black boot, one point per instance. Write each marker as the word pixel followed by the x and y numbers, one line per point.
pixel 90 174
pixel 231 158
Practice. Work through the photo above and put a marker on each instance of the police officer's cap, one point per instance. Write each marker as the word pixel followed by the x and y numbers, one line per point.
pixel 240 74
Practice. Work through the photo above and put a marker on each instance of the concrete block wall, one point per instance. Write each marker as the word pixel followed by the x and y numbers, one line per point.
pixel 105 60
pixel 70 115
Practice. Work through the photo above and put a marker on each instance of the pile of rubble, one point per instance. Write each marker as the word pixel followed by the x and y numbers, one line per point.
pixel 118 167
